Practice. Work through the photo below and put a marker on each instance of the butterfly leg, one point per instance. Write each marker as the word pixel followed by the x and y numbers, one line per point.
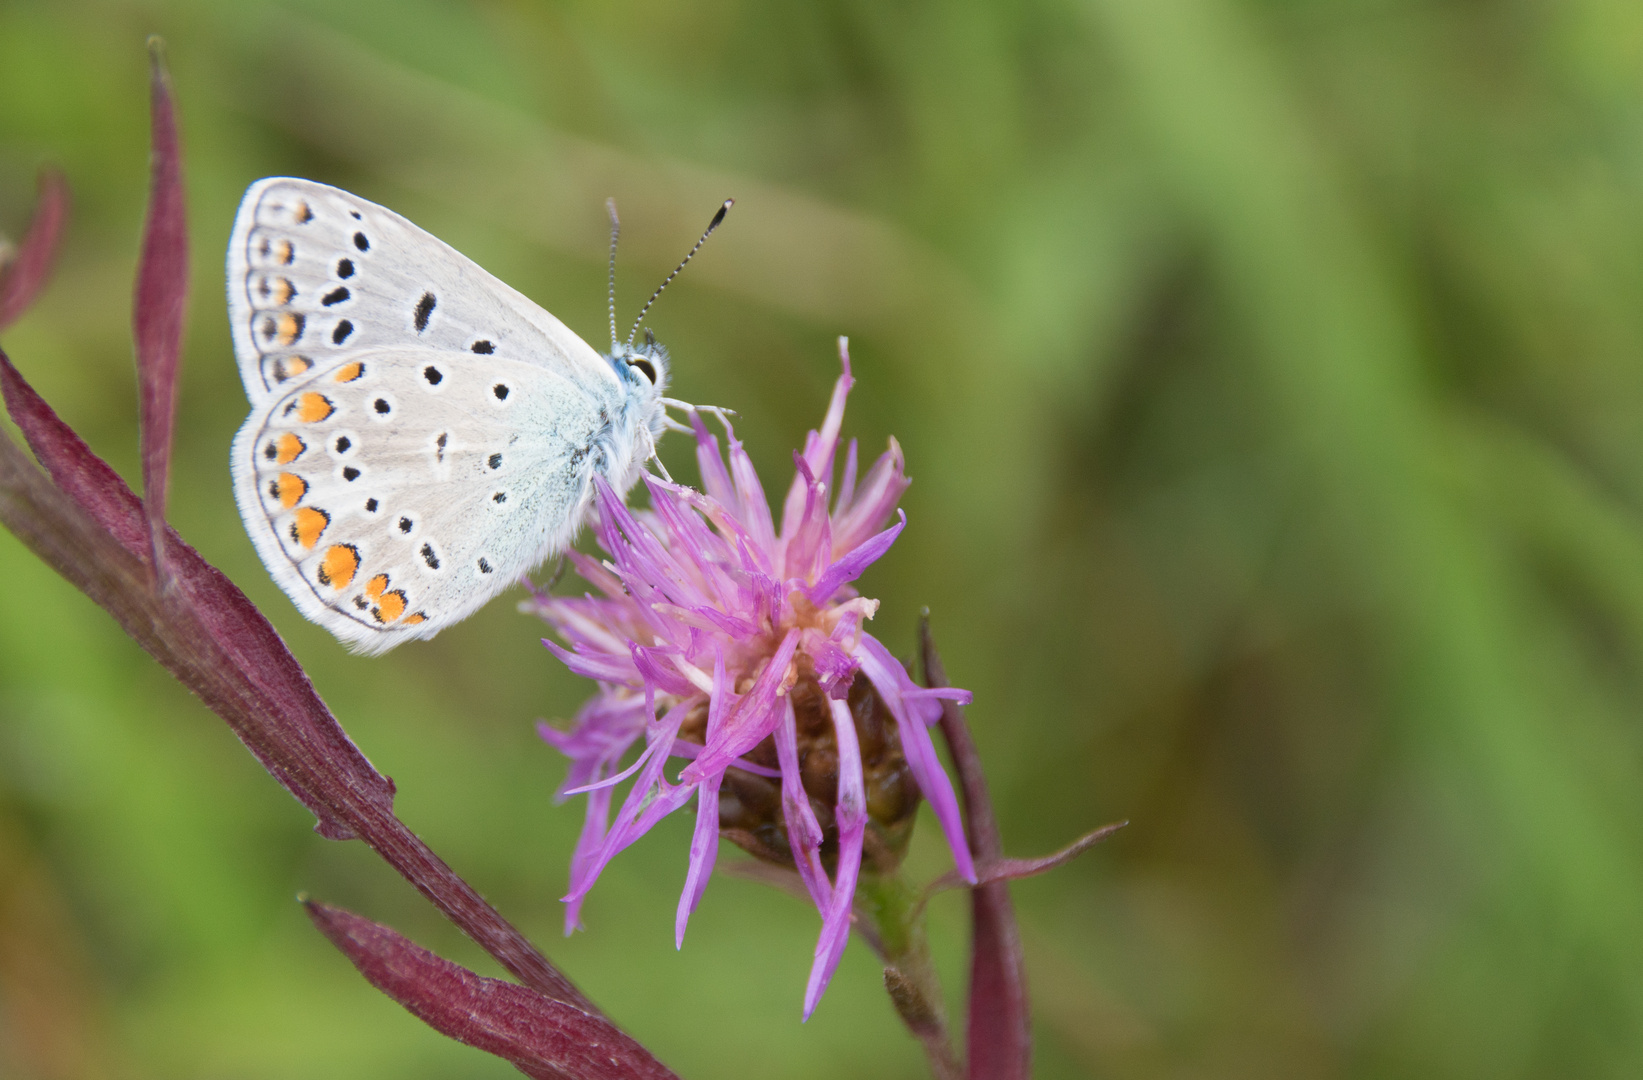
pixel 675 403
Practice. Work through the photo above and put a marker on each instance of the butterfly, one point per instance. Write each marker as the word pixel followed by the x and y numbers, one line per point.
pixel 421 434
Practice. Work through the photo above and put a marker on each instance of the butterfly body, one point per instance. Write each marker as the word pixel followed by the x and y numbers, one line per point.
pixel 421 434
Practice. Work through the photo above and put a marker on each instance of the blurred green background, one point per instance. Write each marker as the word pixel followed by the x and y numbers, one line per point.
pixel 1271 375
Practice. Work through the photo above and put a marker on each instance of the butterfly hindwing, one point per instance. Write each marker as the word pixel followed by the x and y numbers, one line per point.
pixel 393 492
pixel 316 274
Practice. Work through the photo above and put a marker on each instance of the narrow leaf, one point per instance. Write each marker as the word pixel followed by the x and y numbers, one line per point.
pixel 209 635
pixel 25 273
pixel 161 299
pixel 1005 869
pixel 91 529
pixel 81 474
pixel 541 1037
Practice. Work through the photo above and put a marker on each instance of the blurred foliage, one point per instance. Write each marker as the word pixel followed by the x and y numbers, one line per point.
pixel 1270 376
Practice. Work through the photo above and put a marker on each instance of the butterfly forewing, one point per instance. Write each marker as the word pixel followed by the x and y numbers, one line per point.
pixel 316 274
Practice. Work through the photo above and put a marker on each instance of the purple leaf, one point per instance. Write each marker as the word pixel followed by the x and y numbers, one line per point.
pixel 541 1037
pixel 82 475
pixel 160 301
pixel 210 636
pixel 999 1034
pixel 90 528
pixel 22 278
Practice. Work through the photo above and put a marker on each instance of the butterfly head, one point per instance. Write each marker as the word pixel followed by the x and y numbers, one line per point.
pixel 646 365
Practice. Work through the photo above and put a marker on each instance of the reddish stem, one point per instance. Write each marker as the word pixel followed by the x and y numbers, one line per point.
pixel 999 1035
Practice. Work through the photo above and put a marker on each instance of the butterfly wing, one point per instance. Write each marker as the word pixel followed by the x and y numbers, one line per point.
pixel 316 274
pixel 395 491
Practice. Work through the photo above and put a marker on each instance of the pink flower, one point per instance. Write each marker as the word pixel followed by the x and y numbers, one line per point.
pixel 741 649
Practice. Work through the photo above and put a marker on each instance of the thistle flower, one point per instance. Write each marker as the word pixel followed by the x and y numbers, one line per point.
pixel 741 649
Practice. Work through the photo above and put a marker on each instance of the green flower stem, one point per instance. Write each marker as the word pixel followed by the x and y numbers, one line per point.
pixel 891 918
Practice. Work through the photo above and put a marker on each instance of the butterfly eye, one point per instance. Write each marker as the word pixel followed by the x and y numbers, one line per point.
pixel 645 367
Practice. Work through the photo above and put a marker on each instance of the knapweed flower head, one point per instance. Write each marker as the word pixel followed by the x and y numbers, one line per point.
pixel 740 649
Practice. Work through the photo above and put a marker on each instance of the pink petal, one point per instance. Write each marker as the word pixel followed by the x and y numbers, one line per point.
pixel 890 678
pixel 755 513
pixel 819 454
pixel 847 483
pixel 808 533
pixel 691 751
pixel 753 718
pixel 874 500
pixel 835 666
pixel 804 834
pixel 660 675
pixel 634 819
pixel 715 479
pixel 704 849
pixel 850 566
pixel 852 820
pixel 601 666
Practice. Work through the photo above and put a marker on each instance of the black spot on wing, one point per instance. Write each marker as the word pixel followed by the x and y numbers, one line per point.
pixel 345 268
pixel 424 311
pixel 335 296
pixel 362 242
pixel 483 348
pixel 340 334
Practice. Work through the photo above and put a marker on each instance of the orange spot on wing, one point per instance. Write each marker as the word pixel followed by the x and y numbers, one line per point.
pixel 289 448
pixel 390 607
pixel 283 291
pixel 289 488
pixel 414 619
pixel 284 252
pixel 308 525
pixel 288 328
pixel 289 366
pixel 350 372
pixel 374 588
pixel 339 566
pixel 312 407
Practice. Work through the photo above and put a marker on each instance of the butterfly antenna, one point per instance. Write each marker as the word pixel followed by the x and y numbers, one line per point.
pixel 615 233
pixel 714 224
